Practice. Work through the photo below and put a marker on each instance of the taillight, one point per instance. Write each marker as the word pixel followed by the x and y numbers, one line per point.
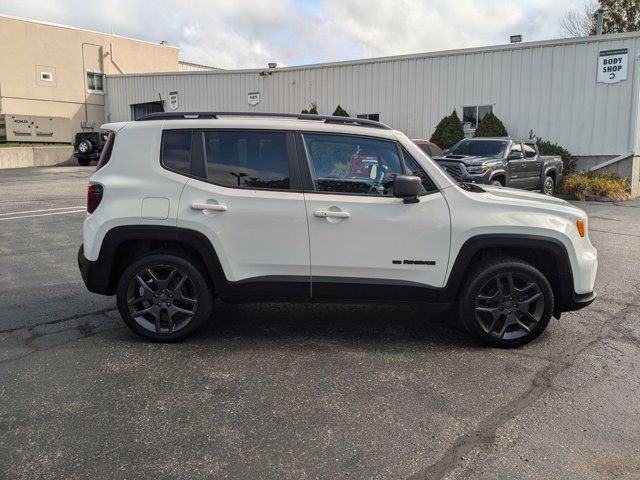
pixel 94 195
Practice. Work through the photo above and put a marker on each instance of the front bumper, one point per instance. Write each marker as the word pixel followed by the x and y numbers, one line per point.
pixel 96 275
pixel 579 301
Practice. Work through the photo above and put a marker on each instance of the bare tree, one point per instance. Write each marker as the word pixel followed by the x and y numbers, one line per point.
pixel 619 16
pixel 580 22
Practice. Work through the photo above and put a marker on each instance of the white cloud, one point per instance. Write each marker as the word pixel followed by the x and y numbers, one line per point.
pixel 250 33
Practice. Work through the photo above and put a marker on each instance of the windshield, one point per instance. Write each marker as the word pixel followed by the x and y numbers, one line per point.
pixel 480 148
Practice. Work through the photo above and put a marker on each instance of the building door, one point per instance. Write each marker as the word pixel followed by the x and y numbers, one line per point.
pixel 141 109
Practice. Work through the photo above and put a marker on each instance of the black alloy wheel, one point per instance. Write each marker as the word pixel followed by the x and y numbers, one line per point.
pixel 164 297
pixel 506 302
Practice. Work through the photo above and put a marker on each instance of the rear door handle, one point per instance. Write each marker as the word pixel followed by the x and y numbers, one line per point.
pixel 331 214
pixel 216 207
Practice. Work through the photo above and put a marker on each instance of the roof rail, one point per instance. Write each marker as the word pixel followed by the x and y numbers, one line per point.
pixel 298 116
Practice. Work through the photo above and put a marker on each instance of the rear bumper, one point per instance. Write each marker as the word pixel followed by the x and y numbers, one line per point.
pixel 90 156
pixel 95 275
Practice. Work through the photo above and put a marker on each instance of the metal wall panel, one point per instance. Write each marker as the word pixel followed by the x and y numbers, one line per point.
pixel 548 87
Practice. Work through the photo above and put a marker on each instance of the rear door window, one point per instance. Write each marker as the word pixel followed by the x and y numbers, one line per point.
pixel 426 148
pixel 529 150
pixel 105 156
pixel 247 159
pixel 176 150
pixel 435 150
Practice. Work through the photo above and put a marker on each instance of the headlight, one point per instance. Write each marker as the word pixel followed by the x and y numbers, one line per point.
pixel 476 169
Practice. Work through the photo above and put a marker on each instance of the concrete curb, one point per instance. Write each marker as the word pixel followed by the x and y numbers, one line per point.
pixel 22 157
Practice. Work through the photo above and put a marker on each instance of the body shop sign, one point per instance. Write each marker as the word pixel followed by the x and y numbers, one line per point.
pixel 612 65
pixel 173 100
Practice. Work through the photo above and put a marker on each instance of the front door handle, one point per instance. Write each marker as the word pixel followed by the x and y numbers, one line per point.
pixel 331 214
pixel 216 207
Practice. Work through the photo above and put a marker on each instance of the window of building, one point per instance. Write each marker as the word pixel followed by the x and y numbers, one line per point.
pixel 46 76
pixel 369 116
pixel 355 165
pixel 176 150
pixel 141 109
pixel 472 115
pixel 95 82
pixel 247 159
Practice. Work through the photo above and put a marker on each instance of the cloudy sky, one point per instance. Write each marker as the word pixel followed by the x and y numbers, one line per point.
pixel 250 33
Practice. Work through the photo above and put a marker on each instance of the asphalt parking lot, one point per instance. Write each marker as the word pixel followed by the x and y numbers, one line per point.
pixel 302 391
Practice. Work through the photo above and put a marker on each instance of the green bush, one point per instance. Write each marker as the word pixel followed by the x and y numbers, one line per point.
pixel 313 109
pixel 490 126
pixel 448 132
pixel 597 185
pixel 547 148
pixel 340 112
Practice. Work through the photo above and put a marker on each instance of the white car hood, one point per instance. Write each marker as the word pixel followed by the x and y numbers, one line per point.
pixel 514 196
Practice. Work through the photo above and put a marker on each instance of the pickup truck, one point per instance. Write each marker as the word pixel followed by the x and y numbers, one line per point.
pixel 504 162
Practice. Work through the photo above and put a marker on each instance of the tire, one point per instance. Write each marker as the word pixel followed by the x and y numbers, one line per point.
pixel 497 183
pixel 85 146
pixel 548 186
pixel 84 162
pixel 505 318
pixel 164 297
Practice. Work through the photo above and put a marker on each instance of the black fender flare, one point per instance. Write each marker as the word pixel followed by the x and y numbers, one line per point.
pixel 474 245
pixel 100 275
pixel 547 170
pixel 499 173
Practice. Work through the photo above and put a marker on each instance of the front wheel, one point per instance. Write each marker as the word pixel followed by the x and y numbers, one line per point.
pixel 506 302
pixel 548 186
pixel 164 297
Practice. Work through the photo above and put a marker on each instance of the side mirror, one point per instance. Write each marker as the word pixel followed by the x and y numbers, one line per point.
pixel 407 187
pixel 445 151
pixel 515 156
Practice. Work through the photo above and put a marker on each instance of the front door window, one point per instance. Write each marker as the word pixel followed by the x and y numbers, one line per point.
pixel 354 165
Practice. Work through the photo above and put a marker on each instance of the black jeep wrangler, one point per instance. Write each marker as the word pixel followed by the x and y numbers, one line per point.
pixel 87 146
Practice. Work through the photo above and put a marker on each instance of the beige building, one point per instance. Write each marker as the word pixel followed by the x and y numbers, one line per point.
pixel 57 72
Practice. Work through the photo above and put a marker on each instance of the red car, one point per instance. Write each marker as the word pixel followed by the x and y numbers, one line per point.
pixel 429 148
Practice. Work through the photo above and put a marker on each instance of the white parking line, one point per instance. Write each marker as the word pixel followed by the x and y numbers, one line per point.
pixel 42 214
pixel 41 210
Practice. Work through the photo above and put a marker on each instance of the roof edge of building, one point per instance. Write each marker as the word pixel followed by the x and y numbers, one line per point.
pixel 71 27
pixel 440 53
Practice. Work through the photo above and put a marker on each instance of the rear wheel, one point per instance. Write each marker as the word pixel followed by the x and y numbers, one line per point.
pixel 548 186
pixel 506 302
pixel 164 297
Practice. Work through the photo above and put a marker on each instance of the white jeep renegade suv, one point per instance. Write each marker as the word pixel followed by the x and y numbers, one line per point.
pixel 280 207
